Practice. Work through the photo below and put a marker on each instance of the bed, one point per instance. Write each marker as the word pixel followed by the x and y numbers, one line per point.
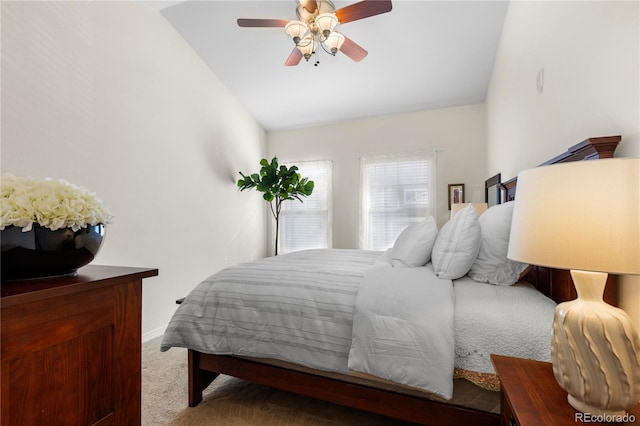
pixel 347 331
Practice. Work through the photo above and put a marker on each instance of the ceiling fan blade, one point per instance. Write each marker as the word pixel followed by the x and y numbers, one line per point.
pixel 353 50
pixel 294 58
pixel 363 9
pixel 252 23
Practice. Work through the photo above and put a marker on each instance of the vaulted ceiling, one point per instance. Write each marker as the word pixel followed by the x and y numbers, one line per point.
pixel 422 55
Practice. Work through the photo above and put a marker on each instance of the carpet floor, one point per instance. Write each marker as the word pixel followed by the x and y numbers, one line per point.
pixel 232 402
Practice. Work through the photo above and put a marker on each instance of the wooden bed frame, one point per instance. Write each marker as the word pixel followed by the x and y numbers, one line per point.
pixel 556 284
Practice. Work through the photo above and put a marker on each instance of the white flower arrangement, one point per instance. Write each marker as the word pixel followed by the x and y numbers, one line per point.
pixel 53 204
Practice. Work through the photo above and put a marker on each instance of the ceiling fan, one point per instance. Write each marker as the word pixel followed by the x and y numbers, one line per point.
pixel 317 20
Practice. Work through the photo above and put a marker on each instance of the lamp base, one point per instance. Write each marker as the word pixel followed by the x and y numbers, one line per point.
pixel 594 411
pixel 595 350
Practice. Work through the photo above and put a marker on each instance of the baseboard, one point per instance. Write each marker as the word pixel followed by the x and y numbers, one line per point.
pixel 153 334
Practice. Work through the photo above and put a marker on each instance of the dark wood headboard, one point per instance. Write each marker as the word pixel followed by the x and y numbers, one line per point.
pixel 590 149
pixel 557 283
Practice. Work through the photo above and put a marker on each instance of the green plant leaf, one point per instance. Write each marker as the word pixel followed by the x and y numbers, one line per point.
pixel 308 188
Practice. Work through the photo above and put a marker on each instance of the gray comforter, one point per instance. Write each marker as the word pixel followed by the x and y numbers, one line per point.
pixel 350 311
pixel 296 307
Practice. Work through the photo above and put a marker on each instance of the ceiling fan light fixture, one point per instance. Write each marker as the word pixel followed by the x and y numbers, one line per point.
pixel 297 30
pixel 334 42
pixel 316 24
pixel 307 46
pixel 326 22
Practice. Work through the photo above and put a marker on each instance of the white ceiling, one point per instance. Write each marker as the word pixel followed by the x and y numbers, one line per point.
pixel 422 55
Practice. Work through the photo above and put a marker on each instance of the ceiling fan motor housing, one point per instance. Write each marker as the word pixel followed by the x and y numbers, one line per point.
pixel 307 10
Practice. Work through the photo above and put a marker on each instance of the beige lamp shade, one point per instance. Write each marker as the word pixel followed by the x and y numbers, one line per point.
pixel 583 215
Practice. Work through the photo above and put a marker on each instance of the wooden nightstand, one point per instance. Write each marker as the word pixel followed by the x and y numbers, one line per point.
pixel 530 395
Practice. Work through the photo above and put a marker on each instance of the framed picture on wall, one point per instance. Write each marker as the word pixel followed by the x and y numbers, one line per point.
pixel 456 193
pixel 492 192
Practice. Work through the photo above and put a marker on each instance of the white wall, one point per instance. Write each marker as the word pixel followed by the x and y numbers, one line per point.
pixel 107 95
pixel 458 134
pixel 590 53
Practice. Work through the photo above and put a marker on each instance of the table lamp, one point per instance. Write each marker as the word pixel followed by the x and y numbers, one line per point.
pixel 585 216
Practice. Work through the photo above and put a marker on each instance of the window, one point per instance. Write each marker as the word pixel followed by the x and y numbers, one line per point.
pixel 307 225
pixel 396 190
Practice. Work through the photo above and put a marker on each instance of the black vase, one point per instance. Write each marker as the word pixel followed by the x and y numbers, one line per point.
pixel 42 252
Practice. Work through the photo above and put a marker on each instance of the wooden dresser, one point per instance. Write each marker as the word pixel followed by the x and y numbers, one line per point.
pixel 71 348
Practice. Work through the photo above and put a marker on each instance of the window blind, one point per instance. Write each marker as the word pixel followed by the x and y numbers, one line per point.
pixel 396 190
pixel 307 225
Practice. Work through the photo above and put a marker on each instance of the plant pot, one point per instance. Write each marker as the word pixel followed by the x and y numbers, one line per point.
pixel 42 252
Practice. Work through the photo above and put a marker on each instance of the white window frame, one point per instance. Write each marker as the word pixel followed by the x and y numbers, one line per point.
pixel 403 204
pixel 314 208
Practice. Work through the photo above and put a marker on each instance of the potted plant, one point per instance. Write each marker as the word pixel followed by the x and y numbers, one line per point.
pixel 279 183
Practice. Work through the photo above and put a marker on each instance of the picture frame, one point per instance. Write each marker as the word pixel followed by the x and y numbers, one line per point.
pixel 493 190
pixel 456 193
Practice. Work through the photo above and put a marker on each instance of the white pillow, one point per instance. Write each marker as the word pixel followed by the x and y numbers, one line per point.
pixel 414 244
pixel 492 265
pixel 457 245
